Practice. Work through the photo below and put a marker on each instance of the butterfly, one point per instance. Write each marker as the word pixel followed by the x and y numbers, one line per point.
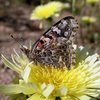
pixel 55 46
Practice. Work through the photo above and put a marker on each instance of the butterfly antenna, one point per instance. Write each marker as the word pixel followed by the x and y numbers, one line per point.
pixel 24 49
pixel 17 40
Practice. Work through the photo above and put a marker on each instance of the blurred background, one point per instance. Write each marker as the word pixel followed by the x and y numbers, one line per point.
pixel 27 20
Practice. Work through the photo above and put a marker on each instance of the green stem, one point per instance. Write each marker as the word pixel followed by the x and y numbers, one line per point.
pixel 73 7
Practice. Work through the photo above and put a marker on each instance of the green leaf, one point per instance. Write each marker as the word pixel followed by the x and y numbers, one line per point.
pixel 10 89
pixel 17 88
pixel 17 97
pixel 35 97
pixel 39 97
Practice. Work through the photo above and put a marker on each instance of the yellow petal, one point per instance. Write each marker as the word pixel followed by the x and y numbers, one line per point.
pixel 48 90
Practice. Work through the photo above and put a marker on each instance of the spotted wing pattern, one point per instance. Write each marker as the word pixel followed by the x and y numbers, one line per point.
pixel 55 48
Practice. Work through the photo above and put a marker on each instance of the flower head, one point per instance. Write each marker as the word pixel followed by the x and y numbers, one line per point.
pixel 88 19
pixel 47 10
pixel 47 83
pixel 92 1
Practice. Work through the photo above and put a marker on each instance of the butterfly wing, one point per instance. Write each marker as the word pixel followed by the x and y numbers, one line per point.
pixel 54 48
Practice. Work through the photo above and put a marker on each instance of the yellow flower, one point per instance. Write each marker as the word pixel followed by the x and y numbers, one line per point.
pixel 92 1
pixel 46 83
pixel 88 19
pixel 47 10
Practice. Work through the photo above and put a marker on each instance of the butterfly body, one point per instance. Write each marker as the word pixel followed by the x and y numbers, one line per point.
pixel 55 48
